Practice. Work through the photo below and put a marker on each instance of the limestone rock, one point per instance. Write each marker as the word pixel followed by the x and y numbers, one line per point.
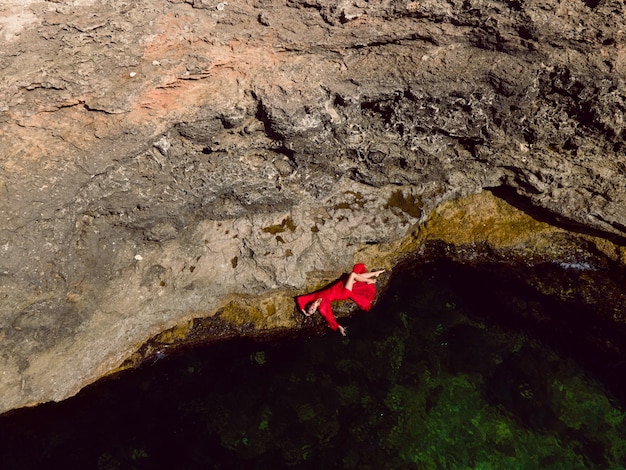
pixel 161 159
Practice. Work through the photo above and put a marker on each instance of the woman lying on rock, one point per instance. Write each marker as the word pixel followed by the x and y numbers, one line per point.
pixel 357 286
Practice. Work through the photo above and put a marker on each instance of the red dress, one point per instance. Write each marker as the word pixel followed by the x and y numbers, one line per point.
pixel 362 294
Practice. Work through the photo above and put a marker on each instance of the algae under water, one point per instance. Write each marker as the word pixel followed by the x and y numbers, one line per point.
pixel 427 380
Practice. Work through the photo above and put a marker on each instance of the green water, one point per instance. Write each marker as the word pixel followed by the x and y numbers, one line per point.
pixel 430 379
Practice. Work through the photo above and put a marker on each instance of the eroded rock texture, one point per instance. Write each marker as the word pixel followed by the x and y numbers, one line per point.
pixel 162 160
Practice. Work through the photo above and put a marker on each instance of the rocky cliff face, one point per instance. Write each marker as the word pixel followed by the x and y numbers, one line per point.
pixel 165 161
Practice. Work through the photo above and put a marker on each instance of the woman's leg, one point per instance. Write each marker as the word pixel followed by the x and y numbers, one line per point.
pixel 372 274
pixel 363 277
pixel 352 278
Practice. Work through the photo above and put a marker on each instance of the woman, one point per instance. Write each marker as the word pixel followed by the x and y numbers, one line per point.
pixel 357 286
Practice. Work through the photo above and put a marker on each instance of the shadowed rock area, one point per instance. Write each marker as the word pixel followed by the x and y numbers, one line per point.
pixel 169 164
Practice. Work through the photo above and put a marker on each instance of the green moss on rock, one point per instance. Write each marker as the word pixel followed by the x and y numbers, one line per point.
pixel 410 204
pixel 286 224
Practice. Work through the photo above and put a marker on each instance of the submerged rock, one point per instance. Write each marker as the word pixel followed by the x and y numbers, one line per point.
pixel 169 161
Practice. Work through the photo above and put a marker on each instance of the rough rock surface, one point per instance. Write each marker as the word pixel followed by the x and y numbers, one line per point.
pixel 162 160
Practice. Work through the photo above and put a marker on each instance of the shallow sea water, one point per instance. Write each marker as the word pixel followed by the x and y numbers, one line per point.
pixel 429 379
